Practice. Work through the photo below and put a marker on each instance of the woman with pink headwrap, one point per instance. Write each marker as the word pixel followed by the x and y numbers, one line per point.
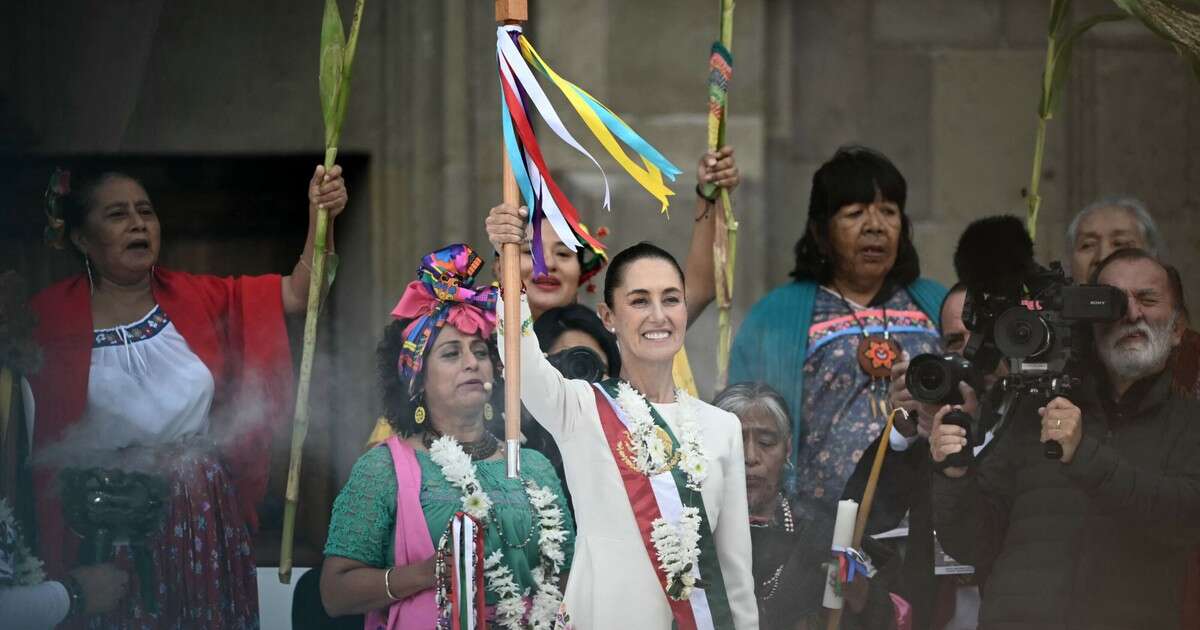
pixel 387 552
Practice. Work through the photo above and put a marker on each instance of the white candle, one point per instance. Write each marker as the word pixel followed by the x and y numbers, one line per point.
pixel 843 535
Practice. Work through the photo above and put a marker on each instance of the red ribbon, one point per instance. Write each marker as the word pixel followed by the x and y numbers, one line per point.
pixel 530 144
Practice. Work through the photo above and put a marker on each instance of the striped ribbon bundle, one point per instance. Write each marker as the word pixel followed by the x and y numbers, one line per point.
pixel 519 89
pixel 467 611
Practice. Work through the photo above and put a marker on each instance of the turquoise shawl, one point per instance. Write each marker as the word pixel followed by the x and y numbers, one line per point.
pixel 772 344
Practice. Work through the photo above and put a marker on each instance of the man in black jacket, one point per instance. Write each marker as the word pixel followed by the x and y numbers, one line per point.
pixel 1099 538
pixel 905 479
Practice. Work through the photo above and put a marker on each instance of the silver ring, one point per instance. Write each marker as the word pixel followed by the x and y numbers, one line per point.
pixel 1058 423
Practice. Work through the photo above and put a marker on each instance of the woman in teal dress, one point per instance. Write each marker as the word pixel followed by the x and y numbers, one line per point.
pixel 388 552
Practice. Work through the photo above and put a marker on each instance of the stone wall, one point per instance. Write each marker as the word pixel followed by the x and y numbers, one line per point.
pixel 947 88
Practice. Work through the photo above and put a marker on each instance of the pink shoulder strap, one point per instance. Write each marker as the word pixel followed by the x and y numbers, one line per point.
pixel 412 543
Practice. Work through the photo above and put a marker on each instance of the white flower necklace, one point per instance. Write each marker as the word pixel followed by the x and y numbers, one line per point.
pixel 26 567
pixel 678 550
pixel 676 545
pixel 652 453
pixel 511 609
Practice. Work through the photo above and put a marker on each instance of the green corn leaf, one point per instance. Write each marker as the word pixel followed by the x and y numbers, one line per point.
pixel 333 49
pixel 1061 65
pixel 1058 16
pixel 1176 21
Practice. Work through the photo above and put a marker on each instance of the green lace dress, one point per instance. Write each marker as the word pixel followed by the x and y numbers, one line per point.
pixel 364 514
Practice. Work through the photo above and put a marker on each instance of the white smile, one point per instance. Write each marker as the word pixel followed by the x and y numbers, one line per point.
pixel 656 335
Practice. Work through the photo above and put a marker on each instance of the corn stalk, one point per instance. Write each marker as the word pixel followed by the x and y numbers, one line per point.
pixel 1060 44
pixel 337 58
pixel 725 237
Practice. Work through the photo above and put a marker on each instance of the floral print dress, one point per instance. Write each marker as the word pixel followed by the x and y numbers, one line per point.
pixel 839 411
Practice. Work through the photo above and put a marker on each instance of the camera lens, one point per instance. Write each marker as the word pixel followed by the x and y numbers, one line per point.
pixel 578 363
pixel 1021 333
pixel 929 378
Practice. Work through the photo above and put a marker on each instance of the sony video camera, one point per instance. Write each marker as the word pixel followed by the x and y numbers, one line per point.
pixel 1019 312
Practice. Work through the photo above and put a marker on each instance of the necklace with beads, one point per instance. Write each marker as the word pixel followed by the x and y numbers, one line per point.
pixel 479 450
pixel 771 585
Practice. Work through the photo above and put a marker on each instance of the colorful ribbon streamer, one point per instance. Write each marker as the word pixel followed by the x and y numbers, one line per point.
pixel 519 89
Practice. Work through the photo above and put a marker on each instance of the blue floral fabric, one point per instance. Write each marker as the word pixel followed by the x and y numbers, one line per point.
pixel 839 395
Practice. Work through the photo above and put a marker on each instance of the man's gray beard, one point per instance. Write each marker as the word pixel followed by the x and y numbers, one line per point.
pixel 1142 360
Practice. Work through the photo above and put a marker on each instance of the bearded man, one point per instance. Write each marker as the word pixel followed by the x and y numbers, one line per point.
pixel 1099 538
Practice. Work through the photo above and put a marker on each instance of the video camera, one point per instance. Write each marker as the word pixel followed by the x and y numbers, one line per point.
pixel 1017 311
pixel 578 363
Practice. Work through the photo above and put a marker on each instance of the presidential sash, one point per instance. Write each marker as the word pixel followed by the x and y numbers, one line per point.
pixel 665 495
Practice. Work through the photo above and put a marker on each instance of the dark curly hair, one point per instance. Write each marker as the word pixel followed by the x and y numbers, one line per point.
pixel 854 174
pixel 398 406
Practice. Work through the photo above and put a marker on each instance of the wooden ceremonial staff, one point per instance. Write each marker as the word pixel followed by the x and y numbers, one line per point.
pixel 864 509
pixel 509 12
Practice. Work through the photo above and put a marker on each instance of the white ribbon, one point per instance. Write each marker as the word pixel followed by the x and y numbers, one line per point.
pixel 507 52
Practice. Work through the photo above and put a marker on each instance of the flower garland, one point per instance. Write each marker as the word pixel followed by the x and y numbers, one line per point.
pixel 651 445
pixel 676 545
pixel 678 549
pixel 511 611
pixel 26 568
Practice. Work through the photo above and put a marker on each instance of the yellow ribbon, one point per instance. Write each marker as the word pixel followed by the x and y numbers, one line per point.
pixel 649 177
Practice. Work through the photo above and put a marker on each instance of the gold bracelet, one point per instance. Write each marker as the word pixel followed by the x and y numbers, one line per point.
pixel 387 585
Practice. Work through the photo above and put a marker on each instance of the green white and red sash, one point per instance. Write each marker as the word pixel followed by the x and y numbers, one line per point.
pixel 665 495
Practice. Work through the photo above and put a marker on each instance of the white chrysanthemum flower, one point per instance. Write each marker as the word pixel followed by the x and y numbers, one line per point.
pixel 477 504
pixel 28 571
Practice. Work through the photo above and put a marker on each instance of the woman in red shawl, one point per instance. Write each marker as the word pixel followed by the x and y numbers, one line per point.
pixel 179 375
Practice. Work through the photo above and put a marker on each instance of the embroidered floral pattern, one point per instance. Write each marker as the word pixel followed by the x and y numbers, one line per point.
pixel 149 326
pixel 838 418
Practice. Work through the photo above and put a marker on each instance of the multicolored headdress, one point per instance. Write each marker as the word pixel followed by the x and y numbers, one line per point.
pixel 56 226
pixel 444 291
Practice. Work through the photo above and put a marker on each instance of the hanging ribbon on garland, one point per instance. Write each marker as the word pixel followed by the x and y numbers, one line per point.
pixel 519 89
pixel 466 588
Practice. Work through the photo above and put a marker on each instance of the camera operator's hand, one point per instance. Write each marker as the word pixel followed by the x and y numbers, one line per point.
pixel 900 398
pixel 948 439
pixel 103 586
pixel 1062 422
pixel 927 412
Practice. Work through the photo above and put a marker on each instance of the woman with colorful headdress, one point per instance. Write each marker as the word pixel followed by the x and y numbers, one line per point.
pixel 393 527
pixel 174 378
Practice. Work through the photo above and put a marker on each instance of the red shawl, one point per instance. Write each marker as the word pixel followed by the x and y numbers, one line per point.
pixel 235 326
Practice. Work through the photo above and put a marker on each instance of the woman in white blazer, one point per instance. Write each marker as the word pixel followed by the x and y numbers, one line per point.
pixel 657 476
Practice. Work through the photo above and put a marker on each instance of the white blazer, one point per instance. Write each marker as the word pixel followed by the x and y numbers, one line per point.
pixel 612 584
